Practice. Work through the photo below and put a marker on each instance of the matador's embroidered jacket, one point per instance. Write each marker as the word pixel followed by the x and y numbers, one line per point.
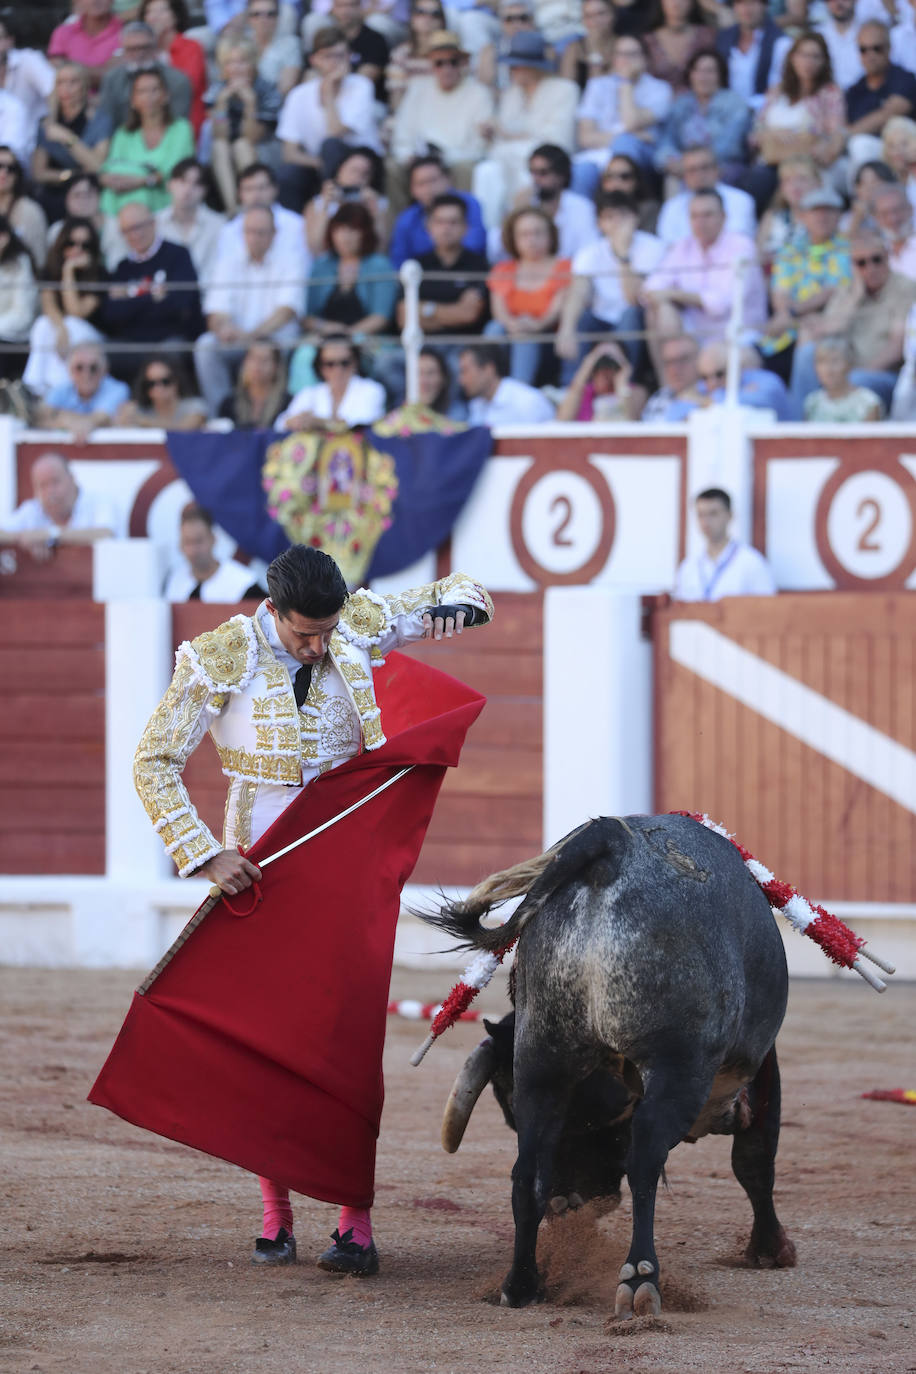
pixel 235 681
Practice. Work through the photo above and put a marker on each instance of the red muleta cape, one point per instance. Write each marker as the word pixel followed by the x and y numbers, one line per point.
pixel 261 1040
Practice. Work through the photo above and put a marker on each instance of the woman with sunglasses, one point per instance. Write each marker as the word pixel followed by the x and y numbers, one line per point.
pixel 168 19
pixel 244 109
pixel 18 299
pixel 71 312
pixel 25 215
pixel 70 139
pixel 342 398
pixel 279 55
pixel 411 58
pixel 261 392
pixel 162 398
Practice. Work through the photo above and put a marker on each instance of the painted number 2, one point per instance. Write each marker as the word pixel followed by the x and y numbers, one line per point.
pixel 870 506
pixel 559 536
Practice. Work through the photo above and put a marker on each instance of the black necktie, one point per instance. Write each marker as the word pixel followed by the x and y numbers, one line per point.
pixel 301 683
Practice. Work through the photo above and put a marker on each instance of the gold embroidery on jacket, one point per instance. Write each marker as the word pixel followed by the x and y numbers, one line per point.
pixel 265 767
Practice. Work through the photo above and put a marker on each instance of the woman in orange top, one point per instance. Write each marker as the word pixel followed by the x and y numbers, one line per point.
pixel 527 292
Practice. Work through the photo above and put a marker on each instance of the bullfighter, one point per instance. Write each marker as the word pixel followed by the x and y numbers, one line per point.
pixel 286 695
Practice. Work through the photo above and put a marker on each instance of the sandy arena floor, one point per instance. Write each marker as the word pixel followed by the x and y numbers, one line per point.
pixel 125 1254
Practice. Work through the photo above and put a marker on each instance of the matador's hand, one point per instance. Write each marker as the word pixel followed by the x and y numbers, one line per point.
pixel 230 871
pixel 449 619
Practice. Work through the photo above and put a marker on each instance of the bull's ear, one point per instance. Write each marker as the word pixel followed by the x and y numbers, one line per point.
pixel 502 1032
pixel 470 1083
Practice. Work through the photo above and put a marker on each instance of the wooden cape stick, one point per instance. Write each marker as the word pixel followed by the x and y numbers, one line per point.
pixel 217 894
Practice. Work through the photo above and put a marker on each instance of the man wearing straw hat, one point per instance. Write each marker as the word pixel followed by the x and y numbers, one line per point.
pixel 287 694
pixel 448 112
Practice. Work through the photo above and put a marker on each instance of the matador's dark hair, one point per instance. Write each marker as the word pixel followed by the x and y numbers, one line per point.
pixel 306 581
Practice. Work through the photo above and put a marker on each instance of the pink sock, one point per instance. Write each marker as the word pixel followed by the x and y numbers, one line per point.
pixel 277 1209
pixel 357 1219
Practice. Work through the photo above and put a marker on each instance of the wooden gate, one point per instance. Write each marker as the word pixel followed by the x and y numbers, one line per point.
pixel 792 721
pixel 52 736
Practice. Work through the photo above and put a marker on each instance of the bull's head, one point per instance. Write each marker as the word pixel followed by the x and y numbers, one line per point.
pixel 591 1155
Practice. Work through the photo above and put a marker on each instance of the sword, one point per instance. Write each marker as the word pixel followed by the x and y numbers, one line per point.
pixel 216 893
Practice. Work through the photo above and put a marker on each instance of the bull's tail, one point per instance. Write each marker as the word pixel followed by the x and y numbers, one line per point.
pixel 539 877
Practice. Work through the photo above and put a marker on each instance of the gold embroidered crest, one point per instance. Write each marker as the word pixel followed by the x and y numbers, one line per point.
pixel 333 492
pixel 366 615
pixel 223 653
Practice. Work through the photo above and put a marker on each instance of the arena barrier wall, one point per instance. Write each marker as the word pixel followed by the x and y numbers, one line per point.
pixel 570 527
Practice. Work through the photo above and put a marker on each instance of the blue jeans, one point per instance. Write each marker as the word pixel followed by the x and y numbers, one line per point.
pixel 524 358
pixel 804 378
pixel 632 319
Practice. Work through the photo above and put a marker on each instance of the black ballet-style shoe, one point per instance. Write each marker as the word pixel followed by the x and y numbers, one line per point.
pixel 346 1257
pixel 279 1251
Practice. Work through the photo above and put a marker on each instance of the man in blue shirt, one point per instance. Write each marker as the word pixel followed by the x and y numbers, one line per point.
pixel 410 238
pixel 88 400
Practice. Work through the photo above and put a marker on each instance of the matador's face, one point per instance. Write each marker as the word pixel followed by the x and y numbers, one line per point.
pixel 306 639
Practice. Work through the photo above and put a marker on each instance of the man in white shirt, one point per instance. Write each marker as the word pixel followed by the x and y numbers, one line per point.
pixel 58 513
pixel 251 297
pixel 25 73
pixel 550 169
pixel 495 399
pixel 15 132
pixel 187 220
pixel 257 185
pixel 607 278
pixel 701 173
pixel 202 576
pixel 726 567
pixel 321 117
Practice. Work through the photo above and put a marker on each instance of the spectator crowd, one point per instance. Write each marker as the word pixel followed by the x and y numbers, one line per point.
pixel 203 211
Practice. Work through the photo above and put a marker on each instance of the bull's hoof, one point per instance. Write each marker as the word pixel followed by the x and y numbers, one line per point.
pixel 647 1301
pixel 636 1295
pixel 521 1292
pixel 776 1251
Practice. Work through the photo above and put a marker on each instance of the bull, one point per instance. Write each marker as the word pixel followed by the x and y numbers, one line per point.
pixel 650 983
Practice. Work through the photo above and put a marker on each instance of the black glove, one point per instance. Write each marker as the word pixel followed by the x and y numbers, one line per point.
pixel 446 612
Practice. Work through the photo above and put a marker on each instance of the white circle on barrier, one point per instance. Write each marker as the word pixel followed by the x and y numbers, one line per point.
pixel 562 521
pixel 869 524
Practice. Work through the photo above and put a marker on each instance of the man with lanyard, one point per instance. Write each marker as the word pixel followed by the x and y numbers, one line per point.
pixel 726 567
pixel 286 694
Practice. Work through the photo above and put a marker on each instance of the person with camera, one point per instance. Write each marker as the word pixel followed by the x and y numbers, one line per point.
pixel 359 177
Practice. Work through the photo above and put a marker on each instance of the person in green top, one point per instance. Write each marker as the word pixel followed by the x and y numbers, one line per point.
pixel 144 150
pixel 805 276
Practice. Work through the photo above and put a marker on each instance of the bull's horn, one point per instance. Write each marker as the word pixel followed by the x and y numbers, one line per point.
pixel 470 1083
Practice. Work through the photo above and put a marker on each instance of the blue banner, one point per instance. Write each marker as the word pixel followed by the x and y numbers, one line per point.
pixel 435 475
